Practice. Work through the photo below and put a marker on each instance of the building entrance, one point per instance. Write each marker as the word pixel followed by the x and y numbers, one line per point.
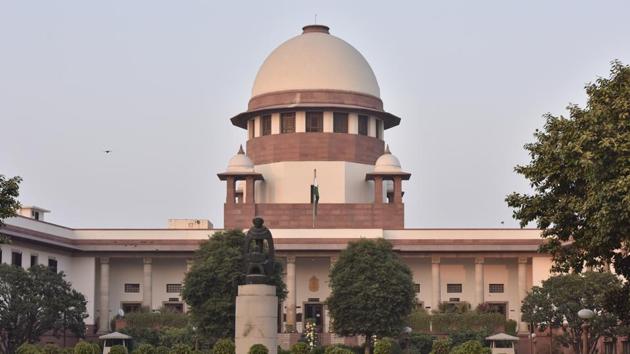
pixel 315 312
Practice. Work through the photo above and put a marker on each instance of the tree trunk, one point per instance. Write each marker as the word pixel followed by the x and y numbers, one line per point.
pixel 368 343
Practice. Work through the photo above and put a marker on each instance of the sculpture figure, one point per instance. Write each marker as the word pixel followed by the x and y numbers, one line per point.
pixel 259 253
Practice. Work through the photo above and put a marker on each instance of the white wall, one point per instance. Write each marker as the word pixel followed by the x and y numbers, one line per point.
pixel 339 182
pixel 82 276
pixel 166 271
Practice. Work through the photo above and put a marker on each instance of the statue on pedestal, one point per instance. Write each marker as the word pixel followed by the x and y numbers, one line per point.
pixel 259 253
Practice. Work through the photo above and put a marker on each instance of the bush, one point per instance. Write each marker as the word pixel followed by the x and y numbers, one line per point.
pixel 181 349
pixel 453 322
pixel 96 348
pixel 338 349
pixel 441 346
pixel 145 348
pixel 510 327
pixel 470 347
pixel 83 347
pixel 28 348
pixel 420 343
pixel 282 351
pixel 258 349
pixel 299 348
pixel 419 321
pixel 317 350
pixel 464 336
pixel 161 350
pixel 52 349
pixel 224 346
pixel 117 349
pixel 387 346
pixel 69 350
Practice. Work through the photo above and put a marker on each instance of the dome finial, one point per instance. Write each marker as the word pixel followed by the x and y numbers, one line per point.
pixel 387 149
pixel 240 150
pixel 315 29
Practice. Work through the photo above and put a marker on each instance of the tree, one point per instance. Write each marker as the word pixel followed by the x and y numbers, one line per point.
pixel 562 296
pixel 9 191
pixel 372 291
pixel 580 175
pixel 36 301
pixel 211 285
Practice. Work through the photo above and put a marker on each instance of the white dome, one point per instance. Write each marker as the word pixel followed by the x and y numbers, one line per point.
pixel 315 60
pixel 387 163
pixel 240 163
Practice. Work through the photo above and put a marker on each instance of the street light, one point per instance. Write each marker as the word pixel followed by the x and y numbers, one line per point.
pixel 586 315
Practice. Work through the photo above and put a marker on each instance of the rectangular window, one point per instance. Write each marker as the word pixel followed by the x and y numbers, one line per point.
pixel 129 307
pixel 132 287
pixel 16 259
pixel 453 299
pixel 379 129
pixel 52 264
pixel 175 307
pixel 453 288
pixel 314 122
pixel 416 287
pixel 610 348
pixel 174 288
pixel 252 128
pixel 363 125
pixel 495 288
pixel 287 122
pixel 35 214
pixel 626 347
pixel 33 260
pixel 266 125
pixel 340 122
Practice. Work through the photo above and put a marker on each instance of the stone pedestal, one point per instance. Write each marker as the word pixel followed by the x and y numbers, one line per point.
pixel 256 318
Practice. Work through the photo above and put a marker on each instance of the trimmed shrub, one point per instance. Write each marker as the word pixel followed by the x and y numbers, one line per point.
pixel 83 347
pixel 52 349
pixel 68 350
pixel 117 349
pixel 419 321
pixel 420 343
pixel 441 346
pixel 28 348
pixel 338 349
pixel 258 349
pixel 317 350
pixel 299 348
pixel 145 348
pixel 510 327
pixel 387 346
pixel 224 346
pixel 464 336
pixel 161 350
pixel 470 347
pixel 181 349
pixel 282 351
pixel 453 322
pixel 96 348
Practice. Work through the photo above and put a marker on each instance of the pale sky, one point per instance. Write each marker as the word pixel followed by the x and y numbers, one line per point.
pixel 157 81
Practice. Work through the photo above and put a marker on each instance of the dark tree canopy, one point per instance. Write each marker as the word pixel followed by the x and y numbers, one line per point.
pixel 580 175
pixel 372 290
pixel 36 301
pixel 9 191
pixel 211 286
pixel 561 297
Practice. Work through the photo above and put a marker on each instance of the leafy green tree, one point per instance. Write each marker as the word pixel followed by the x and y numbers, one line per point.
pixel 580 175
pixel 372 291
pixel 9 192
pixel 562 296
pixel 27 309
pixel 211 285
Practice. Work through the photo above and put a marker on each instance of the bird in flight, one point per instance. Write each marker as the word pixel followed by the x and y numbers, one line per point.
pixel 107 151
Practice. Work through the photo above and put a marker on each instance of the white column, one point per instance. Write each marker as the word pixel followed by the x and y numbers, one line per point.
pixel 522 290
pixel 103 323
pixel 435 279
pixel 479 286
pixel 291 295
pixel 147 286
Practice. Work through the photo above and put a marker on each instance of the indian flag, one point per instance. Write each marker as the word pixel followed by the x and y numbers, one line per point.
pixel 314 194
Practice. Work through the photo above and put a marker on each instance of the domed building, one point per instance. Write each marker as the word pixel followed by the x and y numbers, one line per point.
pixel 317 168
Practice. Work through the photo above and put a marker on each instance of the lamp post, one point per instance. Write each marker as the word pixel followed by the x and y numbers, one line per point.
pixel 586 315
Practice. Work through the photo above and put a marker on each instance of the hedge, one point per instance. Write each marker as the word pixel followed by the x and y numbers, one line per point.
pixel 258 349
